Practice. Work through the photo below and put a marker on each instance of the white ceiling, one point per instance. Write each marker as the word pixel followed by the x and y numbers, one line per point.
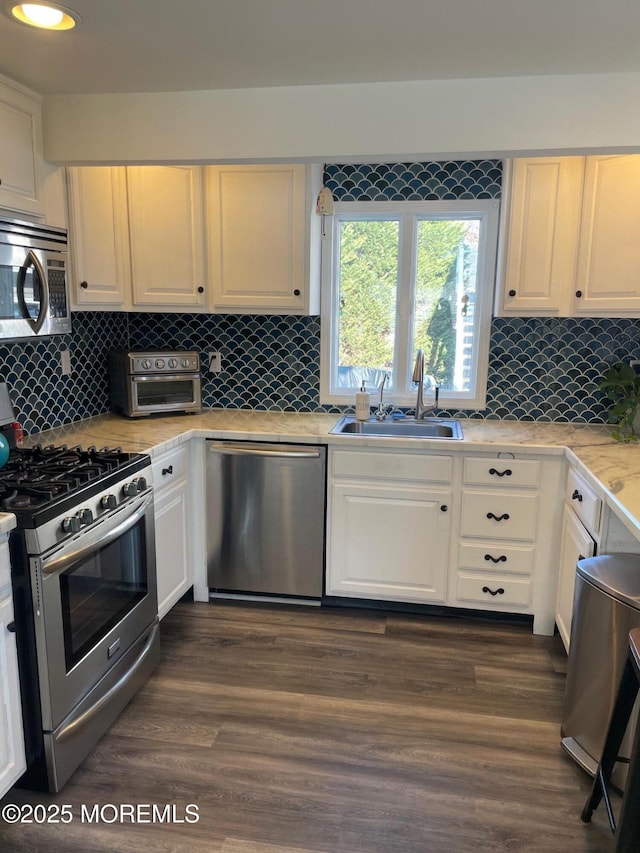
pixel 157 45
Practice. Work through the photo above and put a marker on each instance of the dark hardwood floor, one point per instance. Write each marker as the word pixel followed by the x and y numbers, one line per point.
pixel 333 731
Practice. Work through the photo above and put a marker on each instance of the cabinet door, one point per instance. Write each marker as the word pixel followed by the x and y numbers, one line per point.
pixel 542 235
pixel 172 545
pixel 575 544
pixel 99 236
pixel 257 236
pixel 609 255
pixel 12 758
pixel 20 151
pixel 388 542
pixel 166 230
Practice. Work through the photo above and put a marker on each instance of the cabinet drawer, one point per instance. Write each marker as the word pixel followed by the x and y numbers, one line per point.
pixel 392 466
pixel 496 557
pixel 521 473
pixel 583 501
pixel 499 515
pixel 493 590
pixel 170 467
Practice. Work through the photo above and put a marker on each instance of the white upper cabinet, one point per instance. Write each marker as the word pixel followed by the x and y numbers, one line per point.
pixel 263 238
pixel 137 237
pixel 570 247
pixel 166 232
pixel 20 149
pixel 607 279
pixel 542 221
pixel 101 271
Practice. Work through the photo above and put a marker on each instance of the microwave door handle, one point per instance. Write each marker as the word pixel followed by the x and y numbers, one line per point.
pixel 32 260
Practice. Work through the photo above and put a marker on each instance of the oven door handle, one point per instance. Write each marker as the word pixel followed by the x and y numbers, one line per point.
pixel 83 719
pixel 77 551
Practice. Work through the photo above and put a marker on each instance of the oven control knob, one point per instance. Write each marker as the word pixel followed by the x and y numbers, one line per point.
pixel 130 490
pixel 186 362
pixel 85 516
pixel 173 363
pixel 146 363
pixel 159 363
pixel 141 484
pixel 108 502
pixel 71 524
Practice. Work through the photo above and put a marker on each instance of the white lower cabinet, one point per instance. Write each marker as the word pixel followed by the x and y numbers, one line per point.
pixel 389 542
pixel 12 755
pixel 173 551
pixel 473 532
pixel 580 527
pixel 389 530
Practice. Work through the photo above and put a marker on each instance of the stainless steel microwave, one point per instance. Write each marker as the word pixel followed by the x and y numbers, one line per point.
pixel 154 383
pixel 34 298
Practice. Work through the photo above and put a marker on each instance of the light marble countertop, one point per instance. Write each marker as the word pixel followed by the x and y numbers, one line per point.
pixel 612 468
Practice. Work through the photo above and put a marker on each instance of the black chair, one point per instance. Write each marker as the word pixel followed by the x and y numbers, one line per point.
pixel 627 830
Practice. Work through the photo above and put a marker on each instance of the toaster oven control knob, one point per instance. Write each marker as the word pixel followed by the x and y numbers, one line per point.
pixel 85 515
pixel 108 502
pixel 71 524
pixel 141 484
pixel 146 363
pixel 173 363
pixel 159 363
pixel 130 490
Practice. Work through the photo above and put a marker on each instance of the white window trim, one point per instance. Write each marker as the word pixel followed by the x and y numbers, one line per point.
pixel 487 210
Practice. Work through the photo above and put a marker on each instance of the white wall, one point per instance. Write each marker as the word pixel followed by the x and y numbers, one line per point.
pixel 385 121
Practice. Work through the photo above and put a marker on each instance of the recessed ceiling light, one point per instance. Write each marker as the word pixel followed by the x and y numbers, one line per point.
pixel 44 15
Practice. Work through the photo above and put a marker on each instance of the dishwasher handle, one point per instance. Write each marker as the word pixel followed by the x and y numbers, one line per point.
pixel 230 449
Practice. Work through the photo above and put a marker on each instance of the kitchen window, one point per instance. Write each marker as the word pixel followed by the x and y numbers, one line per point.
pixel 403 276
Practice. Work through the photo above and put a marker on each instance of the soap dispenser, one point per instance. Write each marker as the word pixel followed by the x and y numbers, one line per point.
pixel 363 404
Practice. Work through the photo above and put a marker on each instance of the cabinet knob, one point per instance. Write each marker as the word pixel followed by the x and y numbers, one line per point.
pixel 444 508
pixel 512 293
pixel 576 496
pixel 11 627
pixel 201 290
pixel 168 470
pixel 296 292
pixel 578 293
pixel 84 285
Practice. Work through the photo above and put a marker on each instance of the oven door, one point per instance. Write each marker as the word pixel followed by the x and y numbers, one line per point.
pixel 93 598
pixel 179 392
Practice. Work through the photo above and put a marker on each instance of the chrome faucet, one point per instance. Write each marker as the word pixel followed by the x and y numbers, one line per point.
pixel 418 376
pixel 381 411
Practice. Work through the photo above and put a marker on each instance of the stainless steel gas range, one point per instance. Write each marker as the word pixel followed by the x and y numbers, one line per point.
pixel 84 583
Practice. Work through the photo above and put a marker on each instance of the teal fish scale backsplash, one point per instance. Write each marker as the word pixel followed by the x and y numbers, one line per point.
pixel 539 369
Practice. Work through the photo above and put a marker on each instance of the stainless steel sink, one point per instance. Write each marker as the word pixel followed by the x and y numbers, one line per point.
pixel 401 428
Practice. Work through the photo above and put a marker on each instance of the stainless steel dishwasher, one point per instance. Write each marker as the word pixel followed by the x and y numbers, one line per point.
pixel 265 518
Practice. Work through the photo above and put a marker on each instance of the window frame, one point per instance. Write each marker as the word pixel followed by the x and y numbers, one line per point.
pixel 488 212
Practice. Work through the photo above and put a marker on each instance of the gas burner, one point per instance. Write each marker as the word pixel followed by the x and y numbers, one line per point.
pixel 38 477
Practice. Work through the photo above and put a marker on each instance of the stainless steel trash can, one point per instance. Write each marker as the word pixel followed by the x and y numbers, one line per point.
pixel 606 606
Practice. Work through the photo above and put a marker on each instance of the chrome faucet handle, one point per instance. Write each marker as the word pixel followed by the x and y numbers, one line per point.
pixel 381 411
